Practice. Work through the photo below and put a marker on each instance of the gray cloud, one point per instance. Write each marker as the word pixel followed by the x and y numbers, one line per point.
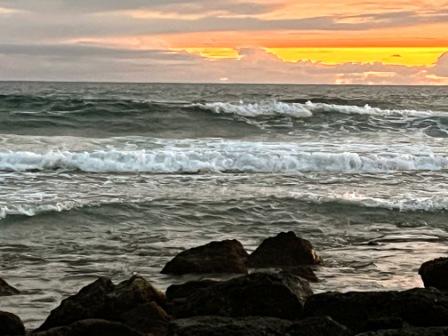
pixel 173 6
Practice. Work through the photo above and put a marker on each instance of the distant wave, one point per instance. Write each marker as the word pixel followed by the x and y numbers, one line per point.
pixel 33 210
pixel 221 157
pixel 304 110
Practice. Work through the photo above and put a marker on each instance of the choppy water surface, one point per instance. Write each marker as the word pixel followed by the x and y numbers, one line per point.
pixel 110 179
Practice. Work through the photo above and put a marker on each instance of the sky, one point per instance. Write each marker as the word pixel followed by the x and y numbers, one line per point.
pixel 232 41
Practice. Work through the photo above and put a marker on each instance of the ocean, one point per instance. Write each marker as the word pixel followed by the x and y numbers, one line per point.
pixel 115 179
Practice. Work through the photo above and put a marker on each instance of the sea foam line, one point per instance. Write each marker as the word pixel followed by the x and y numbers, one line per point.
pixel 232 157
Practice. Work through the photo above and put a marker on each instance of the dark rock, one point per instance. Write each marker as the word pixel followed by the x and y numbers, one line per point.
pixel 10 325
pixel 6 289
pixel 257 294
pixel 255 326
pixel 225 326
pixel 305 272
pixel 317 326
pixel 286 249
pixel 89 302
pixel 384 323
pixel 417 307
pixel 132 300
pixel 434 273
pixel 148 318
pixel 434 331
pixel 182 291
pixel 91 327
pixel 227 256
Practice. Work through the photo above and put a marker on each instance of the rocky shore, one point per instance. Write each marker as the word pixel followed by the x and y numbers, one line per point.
pixel 269 294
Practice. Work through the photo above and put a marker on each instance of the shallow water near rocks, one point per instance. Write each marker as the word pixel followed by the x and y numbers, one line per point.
pixel 112 180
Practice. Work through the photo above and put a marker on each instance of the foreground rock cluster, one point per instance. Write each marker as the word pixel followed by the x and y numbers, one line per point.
pixel 274 302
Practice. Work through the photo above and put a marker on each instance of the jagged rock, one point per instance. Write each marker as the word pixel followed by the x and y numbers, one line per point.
pixel 11 325
pixel 227 256
pixel 257 294
pixel 91 327
pixel 6 289
pixel 433 331
pixel 133 301
pixel 356 310
pixel 434 273
pixel 255 326
pixel 284 250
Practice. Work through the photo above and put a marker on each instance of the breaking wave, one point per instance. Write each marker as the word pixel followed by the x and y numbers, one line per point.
pixel 304 110
pixel 243 157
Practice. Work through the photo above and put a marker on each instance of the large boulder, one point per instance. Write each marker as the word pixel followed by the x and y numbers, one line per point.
pixel 434 273
pixel 11 325
pixel 227 256
pixel 134 302
pixel 284 250
pixel 258 294
pixel 6 289
pixel 433 331
pixel 361 311
pixel 255 326
pixel 91 327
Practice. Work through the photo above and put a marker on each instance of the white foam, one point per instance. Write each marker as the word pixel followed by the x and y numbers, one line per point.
pixel 226 156
pixel 297 110
pixel 33 210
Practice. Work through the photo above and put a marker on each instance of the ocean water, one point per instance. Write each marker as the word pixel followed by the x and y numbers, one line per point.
pixel 115 179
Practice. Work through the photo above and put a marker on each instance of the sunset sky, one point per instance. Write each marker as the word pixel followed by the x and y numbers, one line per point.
pixel 243 41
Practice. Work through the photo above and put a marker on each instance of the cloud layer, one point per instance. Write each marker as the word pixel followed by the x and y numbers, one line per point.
pixel 141 40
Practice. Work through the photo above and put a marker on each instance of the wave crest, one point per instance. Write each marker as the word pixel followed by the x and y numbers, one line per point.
pixel 244 157
pixel 306 110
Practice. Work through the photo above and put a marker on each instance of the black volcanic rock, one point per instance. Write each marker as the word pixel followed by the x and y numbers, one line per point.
pixel 434 273
pixel 6 289
pixel 284 250
pixel 91 327
pixel 255 326
pixel 227 256
pixel 11 325
pixel 134 301
pixel 360 310
pixel 258 294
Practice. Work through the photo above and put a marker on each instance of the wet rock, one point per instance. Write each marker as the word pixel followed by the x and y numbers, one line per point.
pixel 305 272
pixel 227 256
pixel 284 250
pixel 434 331
pixel 417 307
pixel 255 326
pixel 6 289
pixel 257 294
pixel 91 327
pixel 10 325
pixel 182 291
pixel 132 301
pixel 434 273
